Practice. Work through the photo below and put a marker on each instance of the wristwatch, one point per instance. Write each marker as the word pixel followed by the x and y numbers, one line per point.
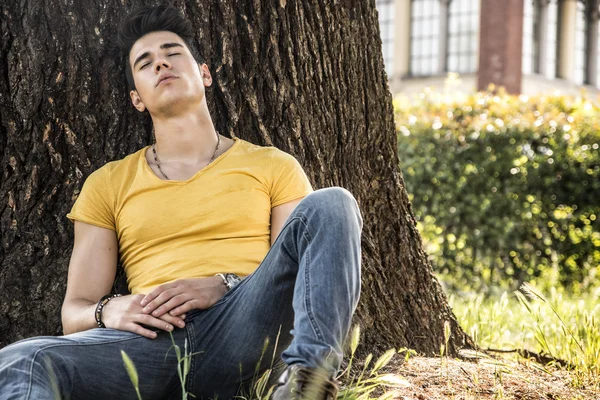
pixel 230 280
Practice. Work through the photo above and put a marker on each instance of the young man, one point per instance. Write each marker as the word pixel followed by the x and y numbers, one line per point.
pixel 224 245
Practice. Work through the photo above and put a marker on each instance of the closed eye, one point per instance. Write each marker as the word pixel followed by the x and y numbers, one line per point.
pixel 169 55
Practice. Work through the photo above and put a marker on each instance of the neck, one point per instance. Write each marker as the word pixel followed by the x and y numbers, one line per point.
pixel 185 138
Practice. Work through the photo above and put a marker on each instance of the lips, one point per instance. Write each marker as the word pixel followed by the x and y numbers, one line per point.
pixel 165 77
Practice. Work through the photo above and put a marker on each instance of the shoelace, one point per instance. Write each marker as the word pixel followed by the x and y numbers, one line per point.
pixel 304 377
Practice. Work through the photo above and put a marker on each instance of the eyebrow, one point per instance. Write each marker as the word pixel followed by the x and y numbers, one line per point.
pixel 147 53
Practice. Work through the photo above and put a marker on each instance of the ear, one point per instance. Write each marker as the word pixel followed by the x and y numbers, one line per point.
pixel 206 77
pixel 137 101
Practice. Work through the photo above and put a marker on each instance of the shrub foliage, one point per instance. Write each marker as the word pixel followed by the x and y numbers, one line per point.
pixel 505 188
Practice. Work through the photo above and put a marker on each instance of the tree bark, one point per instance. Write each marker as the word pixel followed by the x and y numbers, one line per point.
pixel 307 77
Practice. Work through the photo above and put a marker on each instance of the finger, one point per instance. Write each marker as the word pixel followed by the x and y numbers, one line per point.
pixel 171 304
pixel 155 293
pixel 150 296
pixel 182 309
pixel 135 328
pixel 161 299
pixel 149 320
pixel 175 321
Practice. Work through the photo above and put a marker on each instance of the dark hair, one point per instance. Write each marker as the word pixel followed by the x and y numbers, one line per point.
pixel 145 20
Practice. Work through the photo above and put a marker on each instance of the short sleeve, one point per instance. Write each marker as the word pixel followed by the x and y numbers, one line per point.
pixel 289 181
pixel 95 205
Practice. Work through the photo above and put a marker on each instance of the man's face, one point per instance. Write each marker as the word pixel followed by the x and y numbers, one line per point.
pixel 166 76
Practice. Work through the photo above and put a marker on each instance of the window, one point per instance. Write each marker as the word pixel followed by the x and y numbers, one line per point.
pixel 424 37
pixel 463 35
pixel 580 45
pixel 540 30
pixel 387 10
pixel 551 62
pixel 459 20
pixel 530 36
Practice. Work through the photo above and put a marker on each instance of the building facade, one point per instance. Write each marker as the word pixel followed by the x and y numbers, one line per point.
pixel 424 40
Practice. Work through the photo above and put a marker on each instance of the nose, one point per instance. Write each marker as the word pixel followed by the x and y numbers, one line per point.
pixel 161 63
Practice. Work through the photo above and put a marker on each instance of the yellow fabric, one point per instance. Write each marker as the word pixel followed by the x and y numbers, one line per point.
pixel 216 221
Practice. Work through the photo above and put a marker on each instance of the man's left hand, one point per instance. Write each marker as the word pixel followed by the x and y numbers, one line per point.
pixel 183 295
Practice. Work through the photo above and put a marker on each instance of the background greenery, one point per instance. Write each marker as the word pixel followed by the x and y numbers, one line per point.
pixel 505 188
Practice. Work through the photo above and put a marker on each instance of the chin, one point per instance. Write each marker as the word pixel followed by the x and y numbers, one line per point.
pixel 178 104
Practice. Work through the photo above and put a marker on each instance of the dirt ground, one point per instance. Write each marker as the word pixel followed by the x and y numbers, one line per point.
pixel 485 378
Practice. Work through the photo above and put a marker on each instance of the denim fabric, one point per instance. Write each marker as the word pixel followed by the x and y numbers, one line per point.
pixel 296 307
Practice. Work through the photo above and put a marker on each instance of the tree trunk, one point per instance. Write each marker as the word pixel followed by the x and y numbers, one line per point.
pixel 307 77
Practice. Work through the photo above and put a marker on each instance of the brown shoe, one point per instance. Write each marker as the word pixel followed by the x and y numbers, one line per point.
pixel 299 382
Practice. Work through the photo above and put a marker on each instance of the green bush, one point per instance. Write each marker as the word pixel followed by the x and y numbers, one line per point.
pixel 505 189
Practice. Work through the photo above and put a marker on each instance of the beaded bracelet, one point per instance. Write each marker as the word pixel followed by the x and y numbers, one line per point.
pixel 105 299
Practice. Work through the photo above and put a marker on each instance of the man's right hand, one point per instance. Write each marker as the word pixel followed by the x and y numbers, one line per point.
pixel 125 313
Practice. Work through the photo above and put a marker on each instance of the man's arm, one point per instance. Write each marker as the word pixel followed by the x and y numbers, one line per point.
pixel 91 274
pixel 279 215
pixel 92 271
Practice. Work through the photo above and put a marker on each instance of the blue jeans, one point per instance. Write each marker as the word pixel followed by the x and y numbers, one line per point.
pixel 300 299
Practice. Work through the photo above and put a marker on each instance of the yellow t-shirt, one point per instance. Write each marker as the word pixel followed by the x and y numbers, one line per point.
pixel 216 221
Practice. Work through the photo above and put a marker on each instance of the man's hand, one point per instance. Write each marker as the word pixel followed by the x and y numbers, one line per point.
pixel 183 295
pixel 125 313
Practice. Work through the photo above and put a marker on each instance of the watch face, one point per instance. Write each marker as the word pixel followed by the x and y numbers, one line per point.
pixel 232 280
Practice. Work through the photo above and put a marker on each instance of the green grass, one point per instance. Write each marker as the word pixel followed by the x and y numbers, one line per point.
pixel 555 324
pixel 359 386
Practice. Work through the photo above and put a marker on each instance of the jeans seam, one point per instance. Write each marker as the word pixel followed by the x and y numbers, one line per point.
pixel 191 334
pixel 29 384
pixel 307 303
